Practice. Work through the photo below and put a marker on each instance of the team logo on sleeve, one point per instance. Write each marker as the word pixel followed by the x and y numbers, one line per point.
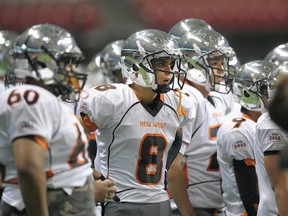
pixel 25 125
pixel 239 144
pixel 274 137
pixel 84 106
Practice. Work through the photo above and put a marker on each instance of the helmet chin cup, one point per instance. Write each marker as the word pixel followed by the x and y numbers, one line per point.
pixel 162 89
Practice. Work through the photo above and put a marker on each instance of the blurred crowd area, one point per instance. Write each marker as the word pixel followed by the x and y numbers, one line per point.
pixel 252 27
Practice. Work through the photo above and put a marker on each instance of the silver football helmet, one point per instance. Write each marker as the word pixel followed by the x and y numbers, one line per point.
pixel 207 52
pixel 275 77
pixel 250 84
pixel 49 53
pixel 97 74
pixel 111 59
pixel 140 52
pixel 187 25
pixel 278 55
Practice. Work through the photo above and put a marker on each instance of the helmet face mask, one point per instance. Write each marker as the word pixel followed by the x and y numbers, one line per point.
pixel 50 54
pixel 142 55
pixel 216 66
pixel 209 52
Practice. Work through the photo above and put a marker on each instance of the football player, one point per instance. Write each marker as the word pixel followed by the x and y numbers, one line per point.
pixel 207 66
pixel 43 145
pixel 137 123
pixel 266 143
pixel 274 139
pixel 236 139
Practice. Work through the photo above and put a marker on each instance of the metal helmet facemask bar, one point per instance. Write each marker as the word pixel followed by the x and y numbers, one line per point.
pixel 175 69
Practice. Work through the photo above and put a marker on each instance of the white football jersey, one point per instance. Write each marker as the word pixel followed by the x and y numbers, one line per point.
pixel 204 188
pixel 197 99
pixel 269 137
pixel 235 141
pixel 31 110
pixel 228 105
pixel 2 86
pixel 133 142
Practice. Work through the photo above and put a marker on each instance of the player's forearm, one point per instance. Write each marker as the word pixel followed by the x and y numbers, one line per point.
pixel 276 176
pixel 29 163
pixel 33 190
pixel 177 187
pixel 182 200
pixel 281 196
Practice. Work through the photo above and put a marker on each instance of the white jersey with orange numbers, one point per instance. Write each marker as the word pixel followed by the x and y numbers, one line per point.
pixel 235 141
pixel 269 137
pixel 133 140
pixel 30 110
pixel 204 188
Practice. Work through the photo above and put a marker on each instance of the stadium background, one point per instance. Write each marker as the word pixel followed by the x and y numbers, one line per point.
pixel 252 27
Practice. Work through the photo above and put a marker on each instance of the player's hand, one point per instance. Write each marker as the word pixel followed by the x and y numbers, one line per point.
pixel 104 190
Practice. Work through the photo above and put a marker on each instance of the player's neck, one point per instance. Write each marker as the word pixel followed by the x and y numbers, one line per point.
pixel 201 89
pixel 254 115
pixel 144 94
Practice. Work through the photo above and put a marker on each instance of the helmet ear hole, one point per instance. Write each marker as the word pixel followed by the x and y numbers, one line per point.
pixel 135 67
pixel 190 65
pixel 246 93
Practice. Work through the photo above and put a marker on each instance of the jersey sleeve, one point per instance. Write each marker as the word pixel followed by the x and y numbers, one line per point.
pixel 99 109
pixel 274 140
pixel 35 117
pixel 236 145
pixel 188 108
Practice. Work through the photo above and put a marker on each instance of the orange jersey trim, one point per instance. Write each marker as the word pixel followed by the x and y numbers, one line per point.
pixel 86 120
pixel 41 141
pixel 162 96
pixel 249 162
pixel 91 136
pixel 210 131
pixel 49 173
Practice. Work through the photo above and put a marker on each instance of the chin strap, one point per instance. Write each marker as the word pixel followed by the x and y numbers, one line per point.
pixel 180 109
pixel 162 89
